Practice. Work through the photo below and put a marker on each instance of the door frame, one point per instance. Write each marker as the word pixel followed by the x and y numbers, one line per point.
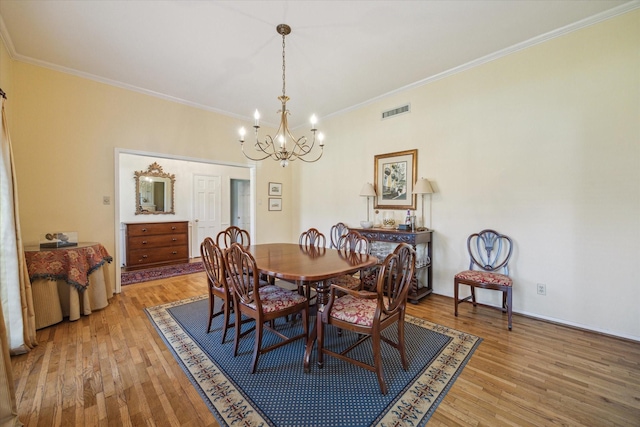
pixel 118 255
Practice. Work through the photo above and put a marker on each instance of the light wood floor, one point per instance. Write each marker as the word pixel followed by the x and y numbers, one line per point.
pixel 111 368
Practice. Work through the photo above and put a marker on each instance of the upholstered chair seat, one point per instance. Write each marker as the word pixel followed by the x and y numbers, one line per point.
pixel 485 277
pixel 356 310
pixel 275 298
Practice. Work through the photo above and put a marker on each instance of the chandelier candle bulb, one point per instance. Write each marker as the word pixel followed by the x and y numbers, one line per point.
pixel 314 120
pixel 256 116
pixel 242 133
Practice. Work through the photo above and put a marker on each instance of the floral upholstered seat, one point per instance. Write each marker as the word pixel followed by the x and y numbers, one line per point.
pixel 485 277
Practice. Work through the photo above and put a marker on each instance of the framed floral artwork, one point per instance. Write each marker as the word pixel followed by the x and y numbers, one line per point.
pixel 395 175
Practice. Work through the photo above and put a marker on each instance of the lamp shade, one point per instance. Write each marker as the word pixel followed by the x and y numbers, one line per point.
pixel 422 187
pixel 368 190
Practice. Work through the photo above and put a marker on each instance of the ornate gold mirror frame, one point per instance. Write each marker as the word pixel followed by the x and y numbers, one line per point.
pixel 154 191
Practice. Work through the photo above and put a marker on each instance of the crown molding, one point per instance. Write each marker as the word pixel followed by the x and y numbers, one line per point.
pixel 592 20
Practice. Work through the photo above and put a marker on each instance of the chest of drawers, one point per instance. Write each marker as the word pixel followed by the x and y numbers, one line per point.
pixel 157 243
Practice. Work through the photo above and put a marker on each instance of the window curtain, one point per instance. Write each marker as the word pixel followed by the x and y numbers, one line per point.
pixel 15 287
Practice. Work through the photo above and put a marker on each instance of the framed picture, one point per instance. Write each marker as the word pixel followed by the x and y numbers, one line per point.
pixel 395 175
pixel 275 204
pixel 275 189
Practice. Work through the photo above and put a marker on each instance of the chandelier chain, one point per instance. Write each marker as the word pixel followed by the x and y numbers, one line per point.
pixel 283 67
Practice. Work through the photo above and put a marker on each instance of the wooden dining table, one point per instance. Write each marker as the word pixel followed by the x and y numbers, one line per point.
pixel 293 262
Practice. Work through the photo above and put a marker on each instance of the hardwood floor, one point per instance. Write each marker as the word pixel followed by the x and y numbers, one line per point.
pixel 112 368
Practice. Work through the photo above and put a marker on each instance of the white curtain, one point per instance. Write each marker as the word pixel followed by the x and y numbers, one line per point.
pixel 17 322
pixel 15 288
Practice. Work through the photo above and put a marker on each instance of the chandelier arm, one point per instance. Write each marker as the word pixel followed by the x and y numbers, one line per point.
pixel 261 147
pixel 309 161
pixel 301 149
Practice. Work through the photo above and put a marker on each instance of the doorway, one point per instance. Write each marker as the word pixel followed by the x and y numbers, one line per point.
pixel 240 205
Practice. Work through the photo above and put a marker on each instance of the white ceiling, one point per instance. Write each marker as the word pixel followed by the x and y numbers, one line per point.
pixel 225 56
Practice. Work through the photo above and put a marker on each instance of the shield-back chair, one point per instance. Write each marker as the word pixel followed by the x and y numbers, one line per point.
pixel 490 253
pixel 261 303
pixel 369 313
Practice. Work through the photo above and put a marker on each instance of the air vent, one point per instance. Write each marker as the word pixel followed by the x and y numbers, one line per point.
pixel 394 112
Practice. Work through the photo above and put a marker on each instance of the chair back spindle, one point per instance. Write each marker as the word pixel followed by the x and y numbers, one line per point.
pixel 312 238
pixel 489 251
pixel 213 261
pixel 354 242
pixel 242 270
pixel 337 231
pixel 232 235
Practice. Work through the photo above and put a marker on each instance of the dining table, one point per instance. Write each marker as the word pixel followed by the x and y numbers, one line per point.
pixel 298 263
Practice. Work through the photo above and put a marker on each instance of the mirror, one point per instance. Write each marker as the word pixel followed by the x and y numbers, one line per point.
pixel 154 191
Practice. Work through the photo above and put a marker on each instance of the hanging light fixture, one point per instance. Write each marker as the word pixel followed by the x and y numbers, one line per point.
pixel 284 147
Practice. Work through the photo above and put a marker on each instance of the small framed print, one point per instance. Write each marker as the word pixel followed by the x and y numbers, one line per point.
pixel 275 204
pixel 275 189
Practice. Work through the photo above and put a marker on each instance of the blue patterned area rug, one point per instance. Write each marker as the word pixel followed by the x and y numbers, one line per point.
pixel 340 394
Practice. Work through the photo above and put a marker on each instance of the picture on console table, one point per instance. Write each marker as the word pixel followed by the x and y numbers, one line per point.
pixel 395 174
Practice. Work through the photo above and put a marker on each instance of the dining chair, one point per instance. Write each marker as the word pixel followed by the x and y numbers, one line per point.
pixel 336 232
pixel 313 243
pixel 213 260
pixel 489 253
pixel 261 303
pixel 231 235
pixel 369 313
pixel 352 242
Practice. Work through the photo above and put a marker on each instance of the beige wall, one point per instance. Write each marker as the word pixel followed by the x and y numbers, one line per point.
pixel 65 133
pixel 543 145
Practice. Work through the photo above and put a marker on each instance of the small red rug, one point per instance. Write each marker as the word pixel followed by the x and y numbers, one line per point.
pixel 162 272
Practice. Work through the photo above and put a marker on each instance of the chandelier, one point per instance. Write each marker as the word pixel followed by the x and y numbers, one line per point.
pixel 284 147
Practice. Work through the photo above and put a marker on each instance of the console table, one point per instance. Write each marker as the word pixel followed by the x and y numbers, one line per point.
pixel 384 241
pixel 68 281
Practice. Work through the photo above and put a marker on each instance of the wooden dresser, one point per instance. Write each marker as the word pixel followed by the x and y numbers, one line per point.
pixel 157 243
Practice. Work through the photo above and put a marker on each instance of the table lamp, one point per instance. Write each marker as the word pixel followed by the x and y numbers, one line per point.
pixel 423 187
pixel 367 191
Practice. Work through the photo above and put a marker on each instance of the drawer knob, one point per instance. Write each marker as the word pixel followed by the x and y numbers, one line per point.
pixel 174 239
pixel 174 253
pixel 173 228
pixel 144 256
pixel 144 229
pixel 144 242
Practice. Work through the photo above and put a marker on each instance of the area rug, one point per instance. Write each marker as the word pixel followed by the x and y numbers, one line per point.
pixel 162 272
pixel 340 394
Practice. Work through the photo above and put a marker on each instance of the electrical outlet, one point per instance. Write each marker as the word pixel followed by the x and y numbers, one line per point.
pixel 542 289
pixel 106 200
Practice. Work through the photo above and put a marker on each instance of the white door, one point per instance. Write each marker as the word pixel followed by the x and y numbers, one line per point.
pixel 207 208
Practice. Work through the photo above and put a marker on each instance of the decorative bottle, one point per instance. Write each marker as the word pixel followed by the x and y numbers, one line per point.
pixel 407 220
